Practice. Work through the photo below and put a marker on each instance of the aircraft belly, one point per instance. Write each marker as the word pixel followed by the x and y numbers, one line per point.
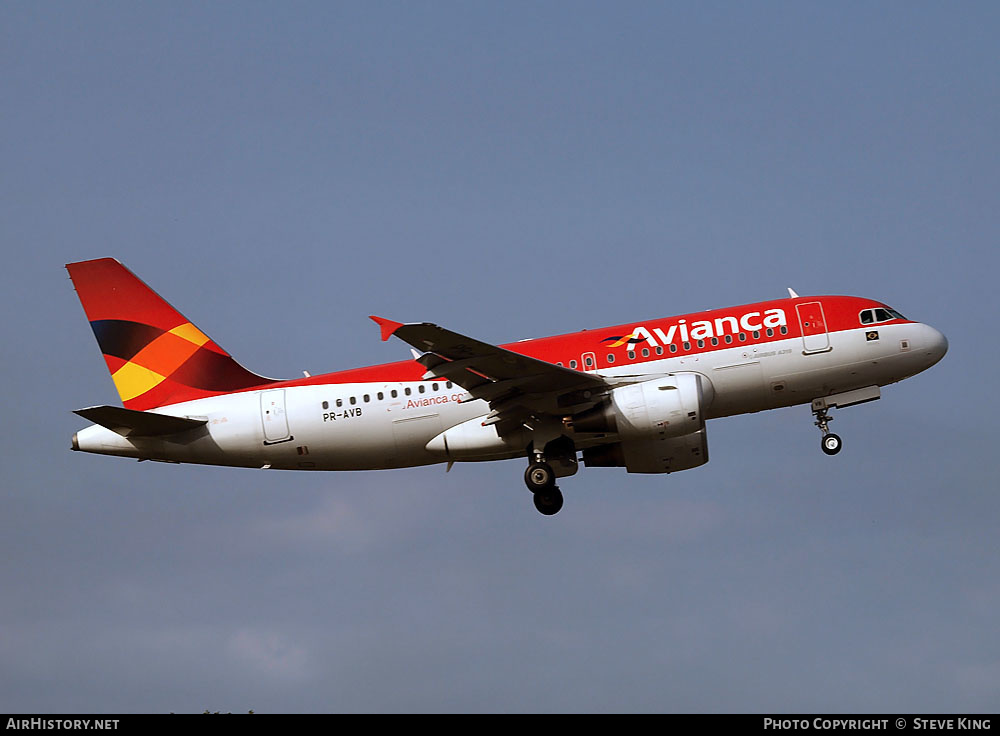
pixel 739 387
pixel 411 434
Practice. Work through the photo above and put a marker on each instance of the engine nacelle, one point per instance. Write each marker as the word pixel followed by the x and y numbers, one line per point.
pixel 660 425
pixel 663 407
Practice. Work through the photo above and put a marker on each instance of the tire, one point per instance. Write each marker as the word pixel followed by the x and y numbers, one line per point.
pixel 539 477
pixel 832 444
pixel 549 501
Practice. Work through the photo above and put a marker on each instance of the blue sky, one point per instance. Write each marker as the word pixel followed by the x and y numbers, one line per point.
pixel 278 172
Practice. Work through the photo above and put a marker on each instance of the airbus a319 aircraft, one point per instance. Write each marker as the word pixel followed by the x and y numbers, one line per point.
pixel 635 396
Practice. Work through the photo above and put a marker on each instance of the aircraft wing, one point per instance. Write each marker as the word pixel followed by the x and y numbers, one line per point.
pixel 517 387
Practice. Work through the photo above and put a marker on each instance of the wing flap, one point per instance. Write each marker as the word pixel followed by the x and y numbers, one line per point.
pixel 131 423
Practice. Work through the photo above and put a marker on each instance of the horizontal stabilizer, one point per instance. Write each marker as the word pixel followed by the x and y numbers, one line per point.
pixel 131 423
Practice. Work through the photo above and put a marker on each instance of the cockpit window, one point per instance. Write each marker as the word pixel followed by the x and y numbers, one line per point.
pixel 881 314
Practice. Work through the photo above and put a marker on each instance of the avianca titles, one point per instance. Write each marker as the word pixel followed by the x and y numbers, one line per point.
pixel 635 396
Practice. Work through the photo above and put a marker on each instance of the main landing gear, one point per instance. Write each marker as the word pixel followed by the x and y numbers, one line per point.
pixel 541 481
pixel 831 443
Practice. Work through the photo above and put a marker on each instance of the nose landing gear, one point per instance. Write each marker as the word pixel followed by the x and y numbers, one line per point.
pixel 831 443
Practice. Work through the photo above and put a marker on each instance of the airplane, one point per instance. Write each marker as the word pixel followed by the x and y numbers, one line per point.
pixel 634 396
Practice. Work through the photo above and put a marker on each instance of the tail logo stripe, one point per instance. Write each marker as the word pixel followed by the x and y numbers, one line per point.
pixel 154 354
pixel 133 380
pixel 158 360
pixel 190 333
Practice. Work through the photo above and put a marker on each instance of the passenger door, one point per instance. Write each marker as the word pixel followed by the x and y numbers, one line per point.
pixel 273 416
pixel 815 338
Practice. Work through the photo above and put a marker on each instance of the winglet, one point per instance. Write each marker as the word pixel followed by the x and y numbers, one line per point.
pixel 791 293
pixel 387 325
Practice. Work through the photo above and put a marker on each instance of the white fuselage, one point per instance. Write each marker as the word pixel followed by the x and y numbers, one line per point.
pixel 347 426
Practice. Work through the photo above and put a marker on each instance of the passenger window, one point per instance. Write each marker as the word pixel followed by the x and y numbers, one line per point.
pixel 326 404
pixel 572 364
pixel 784 330
pixel 421 388
pixel 611 358
pixel 673 348
pixel 436 386
pixel 340 402
pixel 715 341
pixel 770 332
pixel 394 393
pixel 701 343
pixel 447 384
pixel 756 334
pixel 589 361
pixel 353 401
pixel 687 346
pixel 743 337
pixel 367 398
pixel 645 352
pixel 380 396
pixel 407 390
pixel 631 355
pixel 729 339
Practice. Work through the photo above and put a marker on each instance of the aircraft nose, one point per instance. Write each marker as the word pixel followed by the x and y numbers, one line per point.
pixel 935 344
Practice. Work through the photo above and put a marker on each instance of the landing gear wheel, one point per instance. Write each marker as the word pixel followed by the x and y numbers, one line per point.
pixel 540 477
pixel 831 444
pixel 549 501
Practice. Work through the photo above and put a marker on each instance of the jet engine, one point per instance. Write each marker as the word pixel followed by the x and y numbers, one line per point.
pixel 660 425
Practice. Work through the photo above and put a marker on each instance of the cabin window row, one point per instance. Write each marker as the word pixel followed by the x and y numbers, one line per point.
pixel 645 352
pixel 588 362
pixel 380 396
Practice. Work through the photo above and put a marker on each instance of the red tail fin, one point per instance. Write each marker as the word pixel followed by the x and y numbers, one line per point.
pixel 155 355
